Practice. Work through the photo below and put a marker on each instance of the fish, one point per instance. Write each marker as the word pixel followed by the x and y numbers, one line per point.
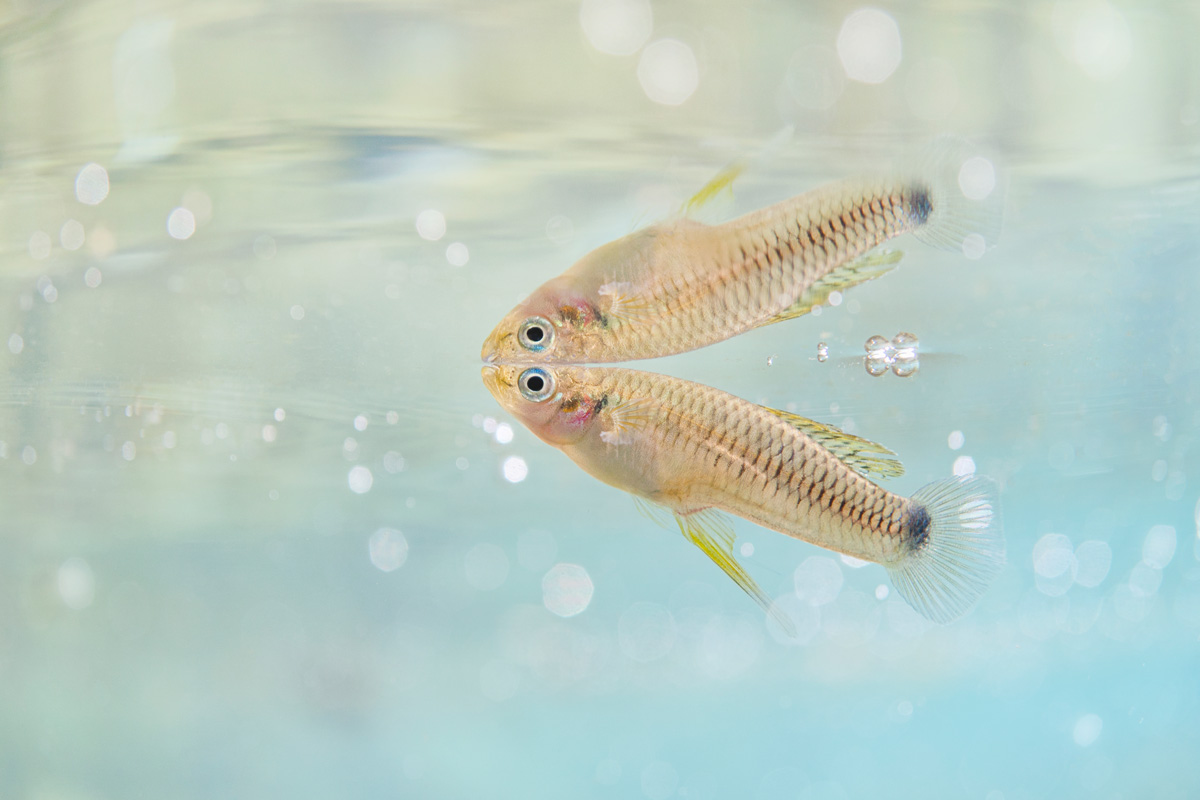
pixel 682 284
pixel 689 451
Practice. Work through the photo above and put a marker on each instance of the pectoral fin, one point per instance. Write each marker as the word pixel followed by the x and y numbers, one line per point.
pixel 624 419
pixel 625 303
pixel 714 536
pixel 861 455
pixel 861 270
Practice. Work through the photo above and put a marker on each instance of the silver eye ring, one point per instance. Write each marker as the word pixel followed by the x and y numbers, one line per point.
pixel 536 384
pixel 535 334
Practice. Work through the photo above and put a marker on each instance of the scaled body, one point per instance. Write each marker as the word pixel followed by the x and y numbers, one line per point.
pixel 688 448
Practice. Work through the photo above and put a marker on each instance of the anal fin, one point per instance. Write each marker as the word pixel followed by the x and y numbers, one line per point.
pixel 860 270
pixel 715 537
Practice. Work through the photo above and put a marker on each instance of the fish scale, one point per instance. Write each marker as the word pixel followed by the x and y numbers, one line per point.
pixel 795 485
pixel 680 285
pixel 691 448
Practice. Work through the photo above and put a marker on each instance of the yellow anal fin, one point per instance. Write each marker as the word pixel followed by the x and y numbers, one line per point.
pixel 721 181
pixel 714 536
pixel 861 455
pixel 624 419
pixel 861 270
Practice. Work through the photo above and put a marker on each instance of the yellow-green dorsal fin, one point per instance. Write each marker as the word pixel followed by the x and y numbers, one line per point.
pixel 714 536
pixel 721 181
pixel 861 455
pixel 861 270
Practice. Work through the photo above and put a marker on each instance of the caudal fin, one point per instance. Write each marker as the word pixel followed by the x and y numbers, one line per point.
pixel 957 547
pixel 963 209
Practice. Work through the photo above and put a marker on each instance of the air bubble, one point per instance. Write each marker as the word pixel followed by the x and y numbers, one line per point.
pixel 822 352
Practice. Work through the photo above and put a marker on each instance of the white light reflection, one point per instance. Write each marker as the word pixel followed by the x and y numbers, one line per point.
pixel 616 27
pixel 668 72
pixel 567 590
pixel 1054 564
pixel 76 584
pixel 71 235
pixel 431 225
pixel 515 469
pixel 1087 729
pixel 91 184
pixel 963 466
pixel 457 254
pixel 868 45
pixel 1093 34
pixel 39 245
pixel 388 549
pixel 1159 546
pixel 977 178
pixel 360 479
pixel 181 223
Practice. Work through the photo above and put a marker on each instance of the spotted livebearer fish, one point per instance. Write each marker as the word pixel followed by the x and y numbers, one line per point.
pixel 691 449
pixel 682 284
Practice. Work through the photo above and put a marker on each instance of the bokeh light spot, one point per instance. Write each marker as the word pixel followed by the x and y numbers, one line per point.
pixel 388 549
pixel 868 45
pixel 567 590
pixel 668 72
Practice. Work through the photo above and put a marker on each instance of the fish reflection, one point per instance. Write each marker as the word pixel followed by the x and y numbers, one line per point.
pixel 682 284
pixel 690 450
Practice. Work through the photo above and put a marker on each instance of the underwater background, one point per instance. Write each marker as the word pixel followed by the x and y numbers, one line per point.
pixel 264 533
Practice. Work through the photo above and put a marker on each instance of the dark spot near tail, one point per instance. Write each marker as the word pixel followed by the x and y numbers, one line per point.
pixel 917 525
pixel 920 205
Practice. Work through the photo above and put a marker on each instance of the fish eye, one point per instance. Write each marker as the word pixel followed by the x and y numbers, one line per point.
pixel 535 334
pixel 536 384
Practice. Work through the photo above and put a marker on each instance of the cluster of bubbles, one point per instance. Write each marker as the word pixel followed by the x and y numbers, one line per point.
pixel 900 355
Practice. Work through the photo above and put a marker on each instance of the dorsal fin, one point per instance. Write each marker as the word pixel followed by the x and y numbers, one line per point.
pixel 860 270
pixel 862 455
pixel 721 181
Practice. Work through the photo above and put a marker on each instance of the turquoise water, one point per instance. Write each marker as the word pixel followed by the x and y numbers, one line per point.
pixel 265 533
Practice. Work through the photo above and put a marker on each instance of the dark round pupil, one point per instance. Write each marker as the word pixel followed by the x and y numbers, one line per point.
pixel 535 333
pixel 535 383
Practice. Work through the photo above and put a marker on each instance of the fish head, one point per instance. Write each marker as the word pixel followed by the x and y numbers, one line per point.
pixel 557 323
pixel 556 403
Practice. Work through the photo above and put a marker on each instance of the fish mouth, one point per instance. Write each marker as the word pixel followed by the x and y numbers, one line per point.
pixel 491 346
pixel 493 379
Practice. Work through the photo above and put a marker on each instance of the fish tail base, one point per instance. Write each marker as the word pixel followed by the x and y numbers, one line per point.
pixel 954 547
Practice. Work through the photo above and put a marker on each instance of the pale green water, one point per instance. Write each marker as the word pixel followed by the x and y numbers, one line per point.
pixel 188 603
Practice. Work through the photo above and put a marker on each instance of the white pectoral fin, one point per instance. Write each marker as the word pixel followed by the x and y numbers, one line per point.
pixel 713 534
pixel 861 270
pixel 623 301
pixel 624 419
pixel 865 457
